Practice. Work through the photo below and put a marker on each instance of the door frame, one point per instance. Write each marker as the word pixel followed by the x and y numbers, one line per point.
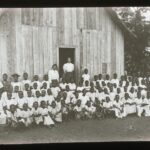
pixel 67 46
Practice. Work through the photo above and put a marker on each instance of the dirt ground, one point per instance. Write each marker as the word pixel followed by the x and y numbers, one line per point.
pixel 131 128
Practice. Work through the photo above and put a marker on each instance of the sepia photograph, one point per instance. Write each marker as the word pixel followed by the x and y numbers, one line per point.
pixel 74 74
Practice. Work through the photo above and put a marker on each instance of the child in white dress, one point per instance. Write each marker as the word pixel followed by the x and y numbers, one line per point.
pixel 55 112
pixel 37 118
pixel 46 119
pixel 25 116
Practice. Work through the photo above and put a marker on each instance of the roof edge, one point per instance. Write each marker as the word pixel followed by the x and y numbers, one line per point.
pixel 122 25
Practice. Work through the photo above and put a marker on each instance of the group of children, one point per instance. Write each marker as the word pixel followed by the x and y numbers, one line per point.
pixel 41 103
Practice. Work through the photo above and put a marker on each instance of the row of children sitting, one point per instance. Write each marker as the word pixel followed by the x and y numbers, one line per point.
pixel 43 104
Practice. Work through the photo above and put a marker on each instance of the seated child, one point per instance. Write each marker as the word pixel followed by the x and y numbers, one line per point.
pixel 69 95
pixel 118 107
pixel 84 98
pixel 30 99
pixel 26 89
pixel 72 85
pixel 62 85
pixel 144 107
pixel 44 112
pixel 55 89
pixel 25 116
pixel 8 102
pixel 107 79
pixel 87 86
pixel 37 118
pixel 2 113
pixel 100 79
pixel 95 80
pixel 38 97
pixel 108 107
pixel 15 93
pixel 112 93
pixel 44 87
pixel 55 112
pixel 115 80
pixel 100 94
pixel 21 100
pixel 91 94
pixel 64 110
pixel 43 96
pixel 98 109
pixel 34 89
pixel 80 88
pixel 49 97
pixel 89 110
pixel 129 105
pixel 13 117
pixel 78 110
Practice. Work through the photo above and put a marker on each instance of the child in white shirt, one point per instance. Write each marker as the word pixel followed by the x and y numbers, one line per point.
pixel 89 110
pixel 85 76
pixel 55 112
pixel 37 118
pixel 25 116
pixel 21 100
pixel 78 110
pixel 46 119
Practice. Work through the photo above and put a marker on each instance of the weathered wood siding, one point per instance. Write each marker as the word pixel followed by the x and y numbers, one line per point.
pixel 30 39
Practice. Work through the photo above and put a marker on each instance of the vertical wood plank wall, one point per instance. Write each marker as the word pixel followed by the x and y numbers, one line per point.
pixel 30 39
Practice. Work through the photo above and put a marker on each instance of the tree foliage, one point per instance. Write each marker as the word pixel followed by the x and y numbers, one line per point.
pixel 136 58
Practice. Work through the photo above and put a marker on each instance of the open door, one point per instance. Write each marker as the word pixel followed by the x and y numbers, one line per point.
pixel 64 53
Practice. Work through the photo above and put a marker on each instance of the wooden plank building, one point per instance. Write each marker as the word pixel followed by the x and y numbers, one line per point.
pixel 33 39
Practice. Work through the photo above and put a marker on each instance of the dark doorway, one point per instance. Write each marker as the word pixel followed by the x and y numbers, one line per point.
pixel 64 53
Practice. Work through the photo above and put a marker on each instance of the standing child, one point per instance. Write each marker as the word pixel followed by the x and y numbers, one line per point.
pixel 25 80
pixel 85 76
pixel 16 82
pixel 45 83
pixel 26 89
pixel 115 80
pixel 36 80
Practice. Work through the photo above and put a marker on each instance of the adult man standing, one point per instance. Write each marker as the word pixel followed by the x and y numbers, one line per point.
pixel 68 70
pixel 53 74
